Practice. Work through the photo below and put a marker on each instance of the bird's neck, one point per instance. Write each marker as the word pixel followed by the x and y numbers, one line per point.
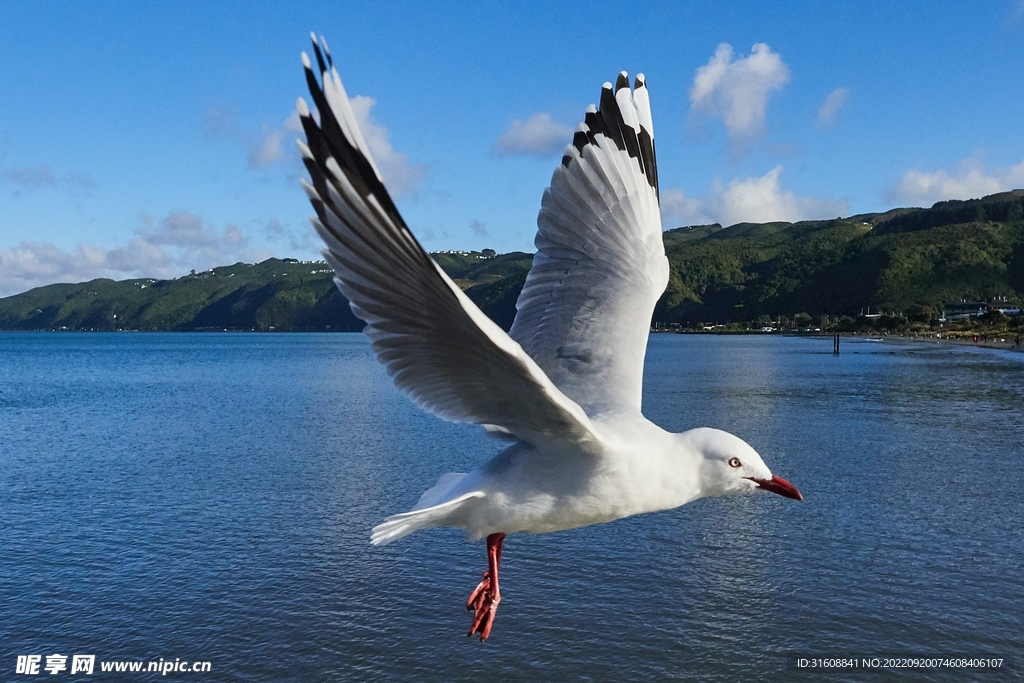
pixel 658 469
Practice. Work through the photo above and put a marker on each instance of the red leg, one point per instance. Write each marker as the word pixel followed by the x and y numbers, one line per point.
pixel 485 597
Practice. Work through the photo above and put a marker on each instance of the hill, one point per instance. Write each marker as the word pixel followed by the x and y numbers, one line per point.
pixel 273 295
pixel 908 261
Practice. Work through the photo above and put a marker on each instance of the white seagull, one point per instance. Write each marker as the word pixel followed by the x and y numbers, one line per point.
pixel 564 385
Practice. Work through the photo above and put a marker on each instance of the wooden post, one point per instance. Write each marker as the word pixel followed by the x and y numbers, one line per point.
pixel 835 344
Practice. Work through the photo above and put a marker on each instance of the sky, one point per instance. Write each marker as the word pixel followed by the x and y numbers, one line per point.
pixel 151 139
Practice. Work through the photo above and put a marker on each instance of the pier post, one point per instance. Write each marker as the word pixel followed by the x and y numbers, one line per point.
pixel 835 344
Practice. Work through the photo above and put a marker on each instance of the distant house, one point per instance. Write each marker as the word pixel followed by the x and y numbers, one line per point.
pixel 975 309
pixel 869 315
pixel 965 309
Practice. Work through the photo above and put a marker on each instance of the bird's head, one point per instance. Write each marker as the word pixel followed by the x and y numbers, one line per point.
pixel 729 465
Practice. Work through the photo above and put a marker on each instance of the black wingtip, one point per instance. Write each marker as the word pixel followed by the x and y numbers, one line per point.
pixel 606 119
pixel 319 54
pixel 580 140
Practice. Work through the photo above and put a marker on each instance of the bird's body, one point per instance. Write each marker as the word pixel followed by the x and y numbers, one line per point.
pixel 638 468
pixel 564 384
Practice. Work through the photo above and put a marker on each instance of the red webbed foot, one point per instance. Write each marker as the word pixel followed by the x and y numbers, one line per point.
pixel 484 599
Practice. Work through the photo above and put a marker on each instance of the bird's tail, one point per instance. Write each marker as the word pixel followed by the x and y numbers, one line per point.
pixel 396 526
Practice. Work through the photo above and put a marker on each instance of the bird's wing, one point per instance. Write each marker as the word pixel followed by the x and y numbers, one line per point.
pixel 600 267
pixel 436 344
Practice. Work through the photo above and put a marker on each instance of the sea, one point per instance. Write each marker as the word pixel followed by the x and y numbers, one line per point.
pixel 207 498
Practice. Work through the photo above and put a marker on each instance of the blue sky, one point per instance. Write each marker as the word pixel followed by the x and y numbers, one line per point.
pixel 148 139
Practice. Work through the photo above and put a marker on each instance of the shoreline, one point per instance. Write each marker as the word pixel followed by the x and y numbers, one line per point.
pixel 998 343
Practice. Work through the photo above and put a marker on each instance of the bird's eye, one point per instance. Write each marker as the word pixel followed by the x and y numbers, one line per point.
pixel 734 462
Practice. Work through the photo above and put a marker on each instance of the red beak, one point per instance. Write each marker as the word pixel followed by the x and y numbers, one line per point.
pixel 778 485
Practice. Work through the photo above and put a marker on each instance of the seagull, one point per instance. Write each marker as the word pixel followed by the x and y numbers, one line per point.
pixel 563 386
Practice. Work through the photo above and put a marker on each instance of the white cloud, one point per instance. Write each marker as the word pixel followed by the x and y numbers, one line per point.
pixel 830 107
pixel 302 239
pixel 399 174
pixel 754 200
pixel 31 264
pixel 677 208
pixel 274 145
pixel 167 248
pixel 968 181
pixel 737 91
pixel 762 199
pixel 268 150
pixel 30 176
pixel 41 176
pixel 539 135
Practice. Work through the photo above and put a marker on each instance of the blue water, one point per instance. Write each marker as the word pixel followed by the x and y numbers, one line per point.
pixel 209 497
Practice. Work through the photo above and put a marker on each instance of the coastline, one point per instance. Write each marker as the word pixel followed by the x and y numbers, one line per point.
pixel 995 342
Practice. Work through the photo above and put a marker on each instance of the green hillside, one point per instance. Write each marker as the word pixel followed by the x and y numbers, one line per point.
pixel 911 262
pixel 272 295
